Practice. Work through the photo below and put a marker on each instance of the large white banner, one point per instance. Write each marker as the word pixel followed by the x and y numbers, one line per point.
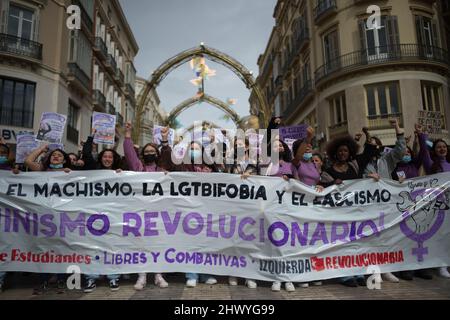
pixel 261 228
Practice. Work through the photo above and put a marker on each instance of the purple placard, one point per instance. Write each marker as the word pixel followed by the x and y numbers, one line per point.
pixel 294 132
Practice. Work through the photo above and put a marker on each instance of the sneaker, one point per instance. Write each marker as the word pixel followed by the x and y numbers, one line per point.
pixel 90 286
pixel 289 286
pixel 406 275
pixel 350 283
pixel 191 283
pixel 276 286
pixel 251 284
pixel 41 289
pixel 424 274
pixel 317 283
pixel 304 285
pixel 233 281
pixel 443 272
pixel 390 277
pixel 160 282
pixel 141 282
pixel 211 281
pixel 114 285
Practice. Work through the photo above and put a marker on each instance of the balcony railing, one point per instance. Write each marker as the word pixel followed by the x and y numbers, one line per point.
pixel 119 76
pixel 324 9
pixel 119 119
pixel 20 47
pixel 298 100
pixel 129 90
pixel 76 72
pixel 338 129
pixel 388 54
pixel 72 134
pixel 99 99
pixel 111 63
pixel 110 108
pixel 300 40
pixel 100 47
pixel 382 121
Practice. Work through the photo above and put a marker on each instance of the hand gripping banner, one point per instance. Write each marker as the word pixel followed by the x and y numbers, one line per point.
pixel 260 228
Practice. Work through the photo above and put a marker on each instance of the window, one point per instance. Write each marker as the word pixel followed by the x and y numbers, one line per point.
pixel 432 99
pixel 331 50
pixel 338 112
pixel 427 37
pixel 81 51
pixel 17 103
pixel 20 22
pixel 383 99
pixel 380 42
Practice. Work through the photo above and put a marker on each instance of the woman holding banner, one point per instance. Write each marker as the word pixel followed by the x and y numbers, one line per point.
pixel 57 160
pixel 151 162
pixel 435 162
pixel 108 159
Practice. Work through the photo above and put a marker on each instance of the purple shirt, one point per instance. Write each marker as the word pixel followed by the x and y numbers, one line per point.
pixel 5 167
pixel 133 161
pixel 426 158
pixel 283 169
pixel 307 173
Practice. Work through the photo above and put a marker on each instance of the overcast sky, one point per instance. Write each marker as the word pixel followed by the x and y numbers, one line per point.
pixel 163 28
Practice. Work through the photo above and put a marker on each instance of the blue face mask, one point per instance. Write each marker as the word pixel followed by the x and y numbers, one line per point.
pixel 407 159
pixel 56 166
pixel 3 159
pixel 195 154
pixel 307 156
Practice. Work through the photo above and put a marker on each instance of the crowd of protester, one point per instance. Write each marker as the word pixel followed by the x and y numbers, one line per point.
pixel 346 158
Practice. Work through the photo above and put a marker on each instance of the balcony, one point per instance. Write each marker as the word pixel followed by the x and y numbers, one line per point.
pixel 147 123
pixel 110 108
pixel 20 48
pixel 77 77
pixel 324 9
pixel 119 119
pixel 339 129
pixel 99 100
pixel 300 98
pixel 413 54
pixel 129 91
pixel 379 122
pixel 110 64
pixel 100 48
pixel 300 41
pixel 119 77
pixel 72 135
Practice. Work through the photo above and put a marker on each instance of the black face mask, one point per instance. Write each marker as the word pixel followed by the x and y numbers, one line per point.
pixel 150 158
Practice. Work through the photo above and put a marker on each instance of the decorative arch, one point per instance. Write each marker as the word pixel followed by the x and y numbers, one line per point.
pixel 205 98
pixel 214 55
pixel 204 123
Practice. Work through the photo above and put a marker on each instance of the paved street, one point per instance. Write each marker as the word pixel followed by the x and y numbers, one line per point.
pixel 419 289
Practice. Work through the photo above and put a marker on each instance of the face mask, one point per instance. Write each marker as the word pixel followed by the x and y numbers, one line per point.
pixel 3 159
pixel 307 156
pixel 196 154
pixel 150 158
pixel 56 166
pixel 407 159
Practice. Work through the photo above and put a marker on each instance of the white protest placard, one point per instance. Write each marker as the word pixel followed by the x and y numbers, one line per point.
pixel 105 125
pixel 26 143
pixel 157 138
pixel 51 127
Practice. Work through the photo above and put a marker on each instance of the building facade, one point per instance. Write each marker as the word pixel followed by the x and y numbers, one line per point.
pixel 326 65
pixel 154 114
pixel 47 67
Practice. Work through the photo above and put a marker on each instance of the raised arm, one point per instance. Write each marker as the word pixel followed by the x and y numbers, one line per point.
pixel 396 155
pixel 301 150
pixel 424 154
pixel 89 161
pixel 131 157
pixel 30 161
